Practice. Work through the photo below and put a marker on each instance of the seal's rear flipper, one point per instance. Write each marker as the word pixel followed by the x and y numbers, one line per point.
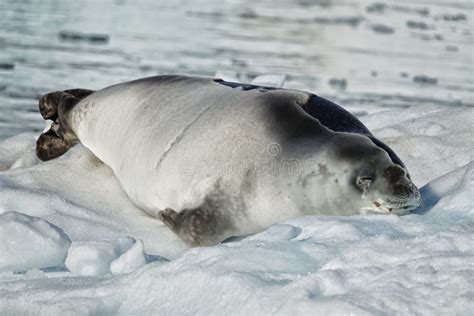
pixel 49 103
pixel 49 146
pixel 59 138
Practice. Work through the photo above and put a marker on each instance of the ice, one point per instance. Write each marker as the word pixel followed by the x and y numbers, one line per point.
pixel 130 260
pixel 227 76
pixel 29 242
pixel 18 151
pixel 121 255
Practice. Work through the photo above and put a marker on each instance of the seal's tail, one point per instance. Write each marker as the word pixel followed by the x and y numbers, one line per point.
pixel 59 138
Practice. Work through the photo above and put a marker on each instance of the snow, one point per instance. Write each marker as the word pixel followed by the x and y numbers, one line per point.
pixel 269 80
pixel 18 151
pixel 418 263
pixel 130 260
pixel 121 255
pixel 29 242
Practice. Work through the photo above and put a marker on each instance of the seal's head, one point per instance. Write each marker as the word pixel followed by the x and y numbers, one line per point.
pixel 387 189
pixel 377 183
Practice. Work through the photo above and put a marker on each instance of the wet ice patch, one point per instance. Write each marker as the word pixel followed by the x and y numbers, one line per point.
pixel 425 80
pixel 7 66
pixel 72 36
pixel 338 84
pixel 382 29
pixel 29 242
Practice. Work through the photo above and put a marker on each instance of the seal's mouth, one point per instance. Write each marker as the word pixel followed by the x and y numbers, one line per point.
pixel 387 207
pixel 403 202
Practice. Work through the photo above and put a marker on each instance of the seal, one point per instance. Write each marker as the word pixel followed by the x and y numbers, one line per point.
pixel 215 159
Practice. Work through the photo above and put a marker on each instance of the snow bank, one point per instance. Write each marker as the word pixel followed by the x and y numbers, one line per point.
pixel 121 255
pixel 28 242
pixel 81 195
pixel 131 260
pixel 18 151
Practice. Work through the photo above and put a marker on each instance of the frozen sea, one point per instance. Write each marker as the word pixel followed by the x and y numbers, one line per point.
pixel 72 243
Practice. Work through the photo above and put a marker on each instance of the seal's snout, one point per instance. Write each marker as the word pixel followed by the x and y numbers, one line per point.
pixel 402 186
pixel 396 193
pixel 406 197
pixel 415 196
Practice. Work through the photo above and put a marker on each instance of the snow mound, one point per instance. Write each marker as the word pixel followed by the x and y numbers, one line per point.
pixel 29 242
pixel 131 260
pixel 121 255
pixel 18 151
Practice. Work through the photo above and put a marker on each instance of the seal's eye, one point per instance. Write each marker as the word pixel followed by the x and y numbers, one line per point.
pixel 363 182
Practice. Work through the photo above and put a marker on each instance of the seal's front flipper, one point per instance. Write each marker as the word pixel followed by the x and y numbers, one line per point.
pixel 170 218
pixel 202 226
